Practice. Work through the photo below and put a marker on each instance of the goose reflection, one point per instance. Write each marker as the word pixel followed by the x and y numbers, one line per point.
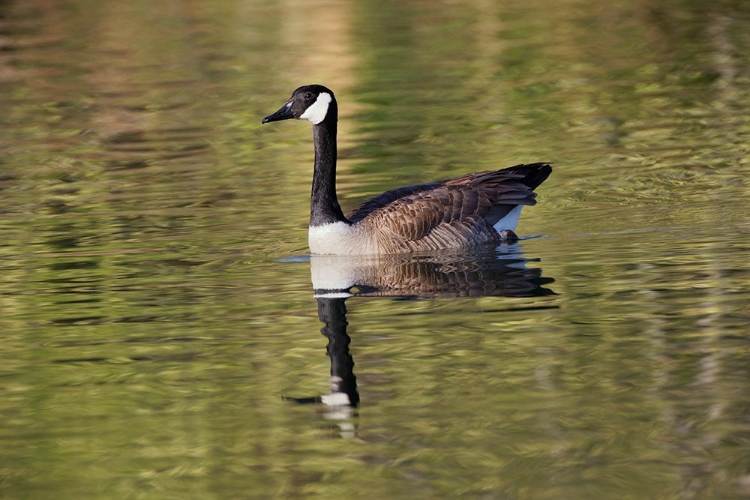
pixel 502 272
pixel 476 274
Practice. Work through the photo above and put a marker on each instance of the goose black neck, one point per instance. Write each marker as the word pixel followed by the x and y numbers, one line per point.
pixel 324 205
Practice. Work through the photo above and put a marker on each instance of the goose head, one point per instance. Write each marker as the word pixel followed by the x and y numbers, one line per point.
pixel 310 102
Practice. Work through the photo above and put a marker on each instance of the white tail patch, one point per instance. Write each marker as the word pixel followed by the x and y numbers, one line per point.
pixel 319 109
pixel 510 221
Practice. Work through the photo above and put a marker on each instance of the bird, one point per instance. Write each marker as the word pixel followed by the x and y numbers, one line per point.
pixel 468 211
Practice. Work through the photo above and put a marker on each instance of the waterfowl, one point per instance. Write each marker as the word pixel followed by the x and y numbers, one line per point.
pixel 467 211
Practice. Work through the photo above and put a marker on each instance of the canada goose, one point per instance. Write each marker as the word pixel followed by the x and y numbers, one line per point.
pixel 466 211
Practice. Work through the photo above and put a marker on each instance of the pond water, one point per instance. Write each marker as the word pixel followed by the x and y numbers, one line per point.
pixel 160 328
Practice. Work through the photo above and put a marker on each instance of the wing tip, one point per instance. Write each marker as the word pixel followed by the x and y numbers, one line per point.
pixel 534 174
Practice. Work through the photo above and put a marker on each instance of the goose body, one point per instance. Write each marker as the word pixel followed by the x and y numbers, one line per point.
pixel 467 211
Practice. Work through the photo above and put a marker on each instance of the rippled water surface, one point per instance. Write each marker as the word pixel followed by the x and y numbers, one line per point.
pixel 161 335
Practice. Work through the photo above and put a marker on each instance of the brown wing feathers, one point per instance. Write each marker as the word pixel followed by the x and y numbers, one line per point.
pixel 464 207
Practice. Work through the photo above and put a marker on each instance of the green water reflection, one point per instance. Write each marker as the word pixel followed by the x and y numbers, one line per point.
pixel 157 306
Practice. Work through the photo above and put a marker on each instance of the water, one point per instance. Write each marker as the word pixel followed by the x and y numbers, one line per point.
pixel 161 331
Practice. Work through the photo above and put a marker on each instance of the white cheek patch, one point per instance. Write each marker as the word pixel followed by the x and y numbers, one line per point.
pixel 317 112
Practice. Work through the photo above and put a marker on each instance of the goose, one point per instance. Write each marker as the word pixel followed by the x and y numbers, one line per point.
pixel 468 211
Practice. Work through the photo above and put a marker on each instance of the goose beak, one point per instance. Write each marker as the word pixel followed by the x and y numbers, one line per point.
pixel 283 114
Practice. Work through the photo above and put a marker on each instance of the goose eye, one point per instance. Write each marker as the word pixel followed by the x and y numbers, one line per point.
pixel 308 95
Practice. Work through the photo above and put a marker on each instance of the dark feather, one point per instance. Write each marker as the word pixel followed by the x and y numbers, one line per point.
pixel 464 207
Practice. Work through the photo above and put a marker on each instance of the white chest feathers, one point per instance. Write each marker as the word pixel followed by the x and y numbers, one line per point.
pixel 337 238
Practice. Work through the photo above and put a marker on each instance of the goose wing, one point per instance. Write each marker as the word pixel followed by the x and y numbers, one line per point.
pixel 464 207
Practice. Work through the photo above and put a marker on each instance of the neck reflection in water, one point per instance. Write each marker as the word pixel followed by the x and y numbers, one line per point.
pixel 502 272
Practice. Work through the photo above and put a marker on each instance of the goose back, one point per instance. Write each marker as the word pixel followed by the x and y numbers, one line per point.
pixel 465 211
